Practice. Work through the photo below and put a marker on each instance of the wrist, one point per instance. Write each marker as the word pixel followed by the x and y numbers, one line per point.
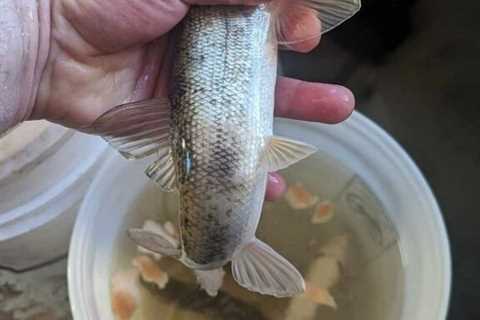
pixel 24 48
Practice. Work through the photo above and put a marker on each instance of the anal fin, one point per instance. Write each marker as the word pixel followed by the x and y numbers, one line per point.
pixel 162 171
pixel 259 268
pixel 280 153
pixel 136 130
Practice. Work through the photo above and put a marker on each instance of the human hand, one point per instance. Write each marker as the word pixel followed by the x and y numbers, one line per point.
pixel 102 53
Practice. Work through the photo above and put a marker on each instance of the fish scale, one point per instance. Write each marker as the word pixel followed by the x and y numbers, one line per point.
pixel 215 141
pixel 218 100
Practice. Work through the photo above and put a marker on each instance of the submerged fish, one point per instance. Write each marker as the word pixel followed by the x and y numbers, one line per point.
pixel 215 141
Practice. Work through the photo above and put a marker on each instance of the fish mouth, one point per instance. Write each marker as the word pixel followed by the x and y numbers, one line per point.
pixel 204 267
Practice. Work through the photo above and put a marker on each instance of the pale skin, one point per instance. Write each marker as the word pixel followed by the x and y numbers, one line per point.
pixel 102 53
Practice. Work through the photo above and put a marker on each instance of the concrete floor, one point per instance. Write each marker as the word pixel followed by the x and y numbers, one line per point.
pixel 39 294
pixel 414 67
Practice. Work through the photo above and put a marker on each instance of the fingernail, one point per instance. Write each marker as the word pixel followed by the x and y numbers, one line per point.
pixel 276 187
pixel 274 178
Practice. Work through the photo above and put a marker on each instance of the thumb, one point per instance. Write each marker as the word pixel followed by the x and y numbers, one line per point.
pixel 112 25
pixel 231 2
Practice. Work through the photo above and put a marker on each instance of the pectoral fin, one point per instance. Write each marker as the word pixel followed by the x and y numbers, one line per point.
pixel 282 152
pixel 138 129
pixel 160 243
pixel 292 16
pixel 259 268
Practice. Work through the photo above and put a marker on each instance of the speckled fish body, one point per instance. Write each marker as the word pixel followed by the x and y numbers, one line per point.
pixel 215 142
pixel 225 75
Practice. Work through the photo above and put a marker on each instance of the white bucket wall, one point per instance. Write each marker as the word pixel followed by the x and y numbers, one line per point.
pixel 45 170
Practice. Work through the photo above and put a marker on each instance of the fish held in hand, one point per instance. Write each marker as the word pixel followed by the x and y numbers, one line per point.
pixel 214 138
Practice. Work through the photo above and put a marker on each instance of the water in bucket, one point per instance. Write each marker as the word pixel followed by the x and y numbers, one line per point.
pixel 329 225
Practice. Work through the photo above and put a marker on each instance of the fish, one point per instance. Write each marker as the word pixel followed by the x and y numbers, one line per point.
pixel 214 142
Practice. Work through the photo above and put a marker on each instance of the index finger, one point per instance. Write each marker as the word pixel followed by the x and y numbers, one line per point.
pixel 310 101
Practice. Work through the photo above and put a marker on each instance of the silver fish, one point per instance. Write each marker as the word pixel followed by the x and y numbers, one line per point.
pixel 215 142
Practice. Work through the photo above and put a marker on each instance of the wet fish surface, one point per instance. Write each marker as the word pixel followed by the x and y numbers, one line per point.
pixel 215 143
pixel 222 112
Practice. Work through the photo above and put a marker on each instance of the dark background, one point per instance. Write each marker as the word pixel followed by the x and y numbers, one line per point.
pixel 414 67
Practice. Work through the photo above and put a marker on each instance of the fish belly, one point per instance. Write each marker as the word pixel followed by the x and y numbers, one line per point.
pixel 224 77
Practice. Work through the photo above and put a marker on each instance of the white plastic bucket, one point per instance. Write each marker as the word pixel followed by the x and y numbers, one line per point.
pixel 358 143
pixel 45 170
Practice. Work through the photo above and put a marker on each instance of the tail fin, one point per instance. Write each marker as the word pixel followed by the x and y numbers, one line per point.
pixel 291 18
pixel 259 268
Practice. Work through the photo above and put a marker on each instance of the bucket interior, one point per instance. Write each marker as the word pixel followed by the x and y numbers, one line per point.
pixel 366 255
